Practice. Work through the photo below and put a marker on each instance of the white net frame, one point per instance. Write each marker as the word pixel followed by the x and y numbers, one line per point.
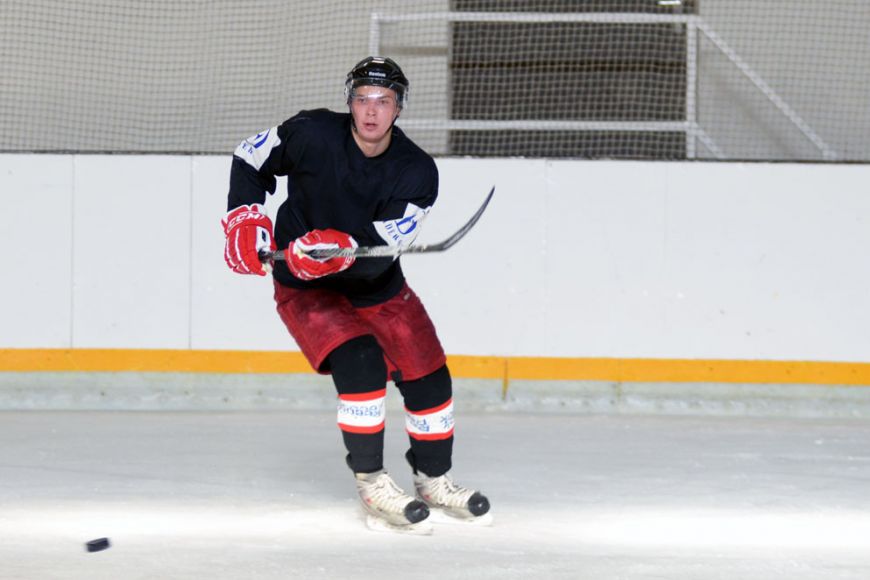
pixel 690 126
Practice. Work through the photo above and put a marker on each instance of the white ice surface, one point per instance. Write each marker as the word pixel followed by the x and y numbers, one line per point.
pixel 266 495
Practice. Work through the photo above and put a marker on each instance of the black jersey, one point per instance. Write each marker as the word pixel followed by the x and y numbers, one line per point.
pixel 331 184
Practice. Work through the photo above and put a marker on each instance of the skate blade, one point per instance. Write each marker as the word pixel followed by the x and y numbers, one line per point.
pixel 439 516
pixel 377 524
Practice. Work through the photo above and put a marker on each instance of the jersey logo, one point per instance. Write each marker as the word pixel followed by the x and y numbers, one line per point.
pixel 255 150
pixel 402 231
pixel 260 138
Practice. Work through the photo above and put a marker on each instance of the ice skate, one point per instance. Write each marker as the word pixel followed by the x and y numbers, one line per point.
pixel 452 503
pixel 388 507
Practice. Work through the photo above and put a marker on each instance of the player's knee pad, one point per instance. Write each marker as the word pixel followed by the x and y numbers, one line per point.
pixel 429 406
pixel 358 366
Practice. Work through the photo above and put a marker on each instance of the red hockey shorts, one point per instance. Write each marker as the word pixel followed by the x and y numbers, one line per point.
pixel 320 320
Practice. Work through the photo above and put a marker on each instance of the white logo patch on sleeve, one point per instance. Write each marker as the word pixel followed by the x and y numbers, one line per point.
pixel 362 413
pixel 431 424
pixel 401 232
pixel 255 150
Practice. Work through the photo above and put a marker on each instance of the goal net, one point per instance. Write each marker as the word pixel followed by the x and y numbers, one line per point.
pixel 632 79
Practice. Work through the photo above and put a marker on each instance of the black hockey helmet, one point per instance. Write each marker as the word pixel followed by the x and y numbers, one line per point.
pixel 381 72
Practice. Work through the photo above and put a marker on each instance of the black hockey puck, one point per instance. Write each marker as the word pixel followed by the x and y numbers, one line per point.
pixel 98 545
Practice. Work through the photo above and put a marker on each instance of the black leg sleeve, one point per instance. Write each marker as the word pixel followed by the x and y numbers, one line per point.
pixel 431 454
pixel 359 370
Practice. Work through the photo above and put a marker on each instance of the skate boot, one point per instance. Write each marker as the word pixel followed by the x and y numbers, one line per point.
pixel 456 503
pixel 389 508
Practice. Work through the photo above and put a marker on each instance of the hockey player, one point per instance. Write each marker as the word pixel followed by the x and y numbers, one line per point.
pixel 356 179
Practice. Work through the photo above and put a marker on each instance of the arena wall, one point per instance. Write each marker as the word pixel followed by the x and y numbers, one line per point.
pixel 610 273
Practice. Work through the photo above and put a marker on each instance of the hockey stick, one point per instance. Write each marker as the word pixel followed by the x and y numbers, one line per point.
pixel 389 251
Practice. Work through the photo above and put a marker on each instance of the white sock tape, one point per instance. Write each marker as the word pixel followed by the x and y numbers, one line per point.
pixel 362 412
pixel 430 424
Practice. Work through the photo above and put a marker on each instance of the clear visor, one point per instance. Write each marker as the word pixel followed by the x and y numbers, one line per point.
pixel 380 99
pixel 381 94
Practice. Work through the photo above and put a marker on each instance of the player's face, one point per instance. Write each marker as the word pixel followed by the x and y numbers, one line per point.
pixel 374 109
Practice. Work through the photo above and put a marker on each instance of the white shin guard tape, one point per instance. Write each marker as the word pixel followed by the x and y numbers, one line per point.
pixel 362 412
pixel 430 424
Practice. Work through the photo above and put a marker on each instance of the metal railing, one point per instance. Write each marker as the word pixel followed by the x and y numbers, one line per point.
pixel 690 126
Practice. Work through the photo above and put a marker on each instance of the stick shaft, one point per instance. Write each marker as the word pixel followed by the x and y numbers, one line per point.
pixel 389 251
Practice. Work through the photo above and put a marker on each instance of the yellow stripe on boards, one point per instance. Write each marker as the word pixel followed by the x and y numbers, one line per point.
pixel 505 369
pixel 148 360
pixel 690 371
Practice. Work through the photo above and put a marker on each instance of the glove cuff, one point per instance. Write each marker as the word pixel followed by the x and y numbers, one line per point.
pixel 254 214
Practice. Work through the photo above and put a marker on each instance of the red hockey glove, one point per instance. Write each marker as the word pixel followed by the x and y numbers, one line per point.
pixel 248 230
pixel 305 267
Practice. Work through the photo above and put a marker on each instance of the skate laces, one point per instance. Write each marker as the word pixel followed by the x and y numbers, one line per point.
pixel 444 491
pixel 382 493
